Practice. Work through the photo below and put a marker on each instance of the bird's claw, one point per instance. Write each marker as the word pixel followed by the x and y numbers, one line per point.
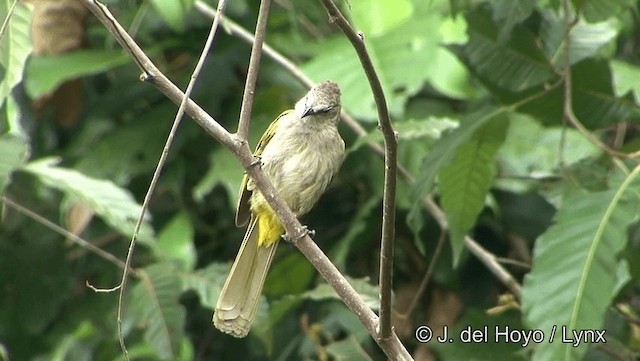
pixel 303 231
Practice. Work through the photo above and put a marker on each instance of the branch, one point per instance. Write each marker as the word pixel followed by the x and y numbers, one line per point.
pixel 390 170
pixel 392 347
pixel 252 72
pixel 72 236
pixel 161 162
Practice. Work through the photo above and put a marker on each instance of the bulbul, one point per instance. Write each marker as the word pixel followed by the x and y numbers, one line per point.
pixel 300 153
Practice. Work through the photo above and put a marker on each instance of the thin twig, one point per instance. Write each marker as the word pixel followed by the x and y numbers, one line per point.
pixel 158 171
pixel 56 228
pixel 393 348
pixel 427 276
pixel 390 169
pixel 252 72
pixel 486 257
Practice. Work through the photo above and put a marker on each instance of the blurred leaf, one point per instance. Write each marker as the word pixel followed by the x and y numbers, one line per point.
pixel 118 153
pixel 224 170
pixel 376 17
pixel 586 39
pixel 625 77
pixel 344 246
pixel 45 73
pixel 324 291
pixel 173 12
pixel 347 350
pixel 15 45
pixel 13 152
pixel 595 11
pixel 509 13
pixel 175 241
pixel 452 78
pixel 534 151
pixel 281 281
pixel 575 266
pixel 154 305
pixel 464 182
pixel 207 282
pixel 401 60
pixel 115 205
pixel 36 280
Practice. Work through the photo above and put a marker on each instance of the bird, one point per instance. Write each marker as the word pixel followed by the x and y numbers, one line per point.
pixel 300 152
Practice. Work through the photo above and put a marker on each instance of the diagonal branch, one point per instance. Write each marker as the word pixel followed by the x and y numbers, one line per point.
pixel 392 346
pixel 390 169
pixel 252 72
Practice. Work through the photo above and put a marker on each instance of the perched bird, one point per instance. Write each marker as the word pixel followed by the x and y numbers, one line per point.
pixel 300 153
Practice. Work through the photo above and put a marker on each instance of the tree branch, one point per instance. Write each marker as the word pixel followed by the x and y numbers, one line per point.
pixel 252 72
pixel 390 170
pixel 392 347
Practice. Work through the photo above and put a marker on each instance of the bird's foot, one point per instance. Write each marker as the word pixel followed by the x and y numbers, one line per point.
pixel 301 232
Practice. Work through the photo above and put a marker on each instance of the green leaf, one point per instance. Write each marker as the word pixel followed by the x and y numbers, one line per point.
pixel 224 170
pixel 112 203
pixel 625 77
pixel 510 12
pixel 207 282
pixel 15 45
pixel 13 152
pixel 553 146
pixel 400 57
pixel 515 65
pixel 348 349
pixel 45 73
pixel 368 292
pixel 445 149
pixel 155 306
pixel 586 39
pixel 175 241
pixel 576 264
pixel 465 182
pixel 595 11
pixel 173 12
pixel 376 17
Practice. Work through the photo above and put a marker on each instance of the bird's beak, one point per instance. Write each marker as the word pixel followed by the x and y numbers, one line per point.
pixel 308 111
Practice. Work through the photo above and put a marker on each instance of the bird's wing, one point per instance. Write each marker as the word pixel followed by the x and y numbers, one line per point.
pixel 242 210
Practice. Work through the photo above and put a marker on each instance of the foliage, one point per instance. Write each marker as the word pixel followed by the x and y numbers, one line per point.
pixel 477 91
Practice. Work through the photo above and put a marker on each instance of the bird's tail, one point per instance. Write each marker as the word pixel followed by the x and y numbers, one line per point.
pixel 241 292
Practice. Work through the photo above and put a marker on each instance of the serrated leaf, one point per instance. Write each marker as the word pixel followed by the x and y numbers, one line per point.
pixel 443 151
pixel 175 241
pixel 45 73
pixel 13 152
pixel 515 65
pixel 400 57
pixel 15 45
pixel 576 264
pixel 114 205
pixel 155 305
pixel 465 182
pixel 586 39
